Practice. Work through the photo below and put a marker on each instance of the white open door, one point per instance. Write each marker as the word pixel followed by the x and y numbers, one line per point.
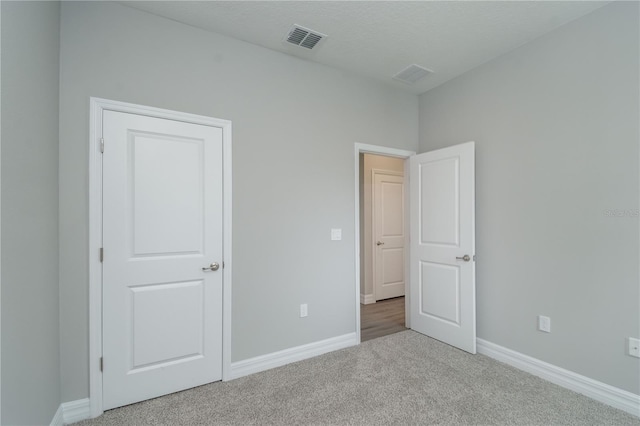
pixel 442 265
pixel 162 270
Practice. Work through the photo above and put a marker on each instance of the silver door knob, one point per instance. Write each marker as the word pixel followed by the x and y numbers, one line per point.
pixel 379 243
pixel 213 267
pixel 466 258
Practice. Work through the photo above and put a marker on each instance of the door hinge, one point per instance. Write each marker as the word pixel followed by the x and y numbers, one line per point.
pixel 101 254
pixel 102 145
pixel 101 364
pixel 474 257
pixel 223 264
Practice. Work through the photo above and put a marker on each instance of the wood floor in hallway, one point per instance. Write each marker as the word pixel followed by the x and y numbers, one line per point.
pixel 381 318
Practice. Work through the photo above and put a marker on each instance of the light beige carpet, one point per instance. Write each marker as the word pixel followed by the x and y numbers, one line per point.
pixel 401 379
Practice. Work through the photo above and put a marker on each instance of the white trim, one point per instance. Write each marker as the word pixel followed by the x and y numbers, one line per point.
pixel 226 248
pixel 385 172
pixel 97 106
pixel 361 148
pixel 407 233
pixel 287 356
pixel 71 412
pixel 58 419
pixel 367 299
pixel 599 391
pixel 95 267
pixel 74 411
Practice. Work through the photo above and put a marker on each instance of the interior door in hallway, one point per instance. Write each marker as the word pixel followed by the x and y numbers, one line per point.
pixel 442 265
pixel 389 238
pixel 162 236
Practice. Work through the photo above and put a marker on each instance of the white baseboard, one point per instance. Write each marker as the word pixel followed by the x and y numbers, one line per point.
pixel 366 299
pixel 287 356
pixel 599 391
pixel 73 411
pixel 57 418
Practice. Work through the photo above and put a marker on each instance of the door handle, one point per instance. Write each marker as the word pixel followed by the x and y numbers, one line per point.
pixel 213 267
pixel 466 258
pixel 379 243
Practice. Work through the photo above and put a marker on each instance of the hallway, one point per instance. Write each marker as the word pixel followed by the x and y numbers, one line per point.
pixel 382 318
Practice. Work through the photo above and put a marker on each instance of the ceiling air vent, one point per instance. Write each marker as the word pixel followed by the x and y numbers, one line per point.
pixel 304 37
pixel 412 74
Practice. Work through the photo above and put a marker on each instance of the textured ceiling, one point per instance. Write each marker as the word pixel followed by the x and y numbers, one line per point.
pixel 377 39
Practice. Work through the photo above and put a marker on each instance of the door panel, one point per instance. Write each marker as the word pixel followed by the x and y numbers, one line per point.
pixel 440 292
pixel 389 241
pixel 393 265
pixel 162 223
pixel 439 186
pixel 174 196
pixel 167 323
pixel 442 212
pixel 391 198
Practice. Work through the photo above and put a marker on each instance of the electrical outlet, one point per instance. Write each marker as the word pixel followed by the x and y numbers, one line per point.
pixel 336 234
pixel 544 323
pixel 303 310
pixel 633 347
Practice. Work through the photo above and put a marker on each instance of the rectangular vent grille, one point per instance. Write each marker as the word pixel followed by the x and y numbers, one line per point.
pixel 304 37
pixel 412 74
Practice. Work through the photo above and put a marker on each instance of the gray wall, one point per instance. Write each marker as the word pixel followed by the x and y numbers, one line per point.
pixel 295 124
pixel 30 337
pixel 556 126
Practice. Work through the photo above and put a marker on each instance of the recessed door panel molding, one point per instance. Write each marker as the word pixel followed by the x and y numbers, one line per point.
pixel 167 323
pixel 440 292
pixel 393 212
pixel 172 197
pixel 388 234
pixel 439 183
pixel 393 264
pixel 442 263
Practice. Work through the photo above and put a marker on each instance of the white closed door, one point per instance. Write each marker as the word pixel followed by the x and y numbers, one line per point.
pixel 388 222
pixel 442 265
pixel 162 223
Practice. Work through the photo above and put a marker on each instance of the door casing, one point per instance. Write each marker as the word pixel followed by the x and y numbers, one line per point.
pixel 97 106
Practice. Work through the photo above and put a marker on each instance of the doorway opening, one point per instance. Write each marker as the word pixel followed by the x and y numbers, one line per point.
pixel 382 297
pixel 439 194
pixel 382 318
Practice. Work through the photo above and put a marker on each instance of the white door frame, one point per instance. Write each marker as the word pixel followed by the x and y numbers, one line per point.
pixel 97 106
pixel 361 148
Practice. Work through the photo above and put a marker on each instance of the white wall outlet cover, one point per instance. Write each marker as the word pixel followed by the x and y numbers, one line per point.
pixel 336 234
pixel 303 310
pixel 544 323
